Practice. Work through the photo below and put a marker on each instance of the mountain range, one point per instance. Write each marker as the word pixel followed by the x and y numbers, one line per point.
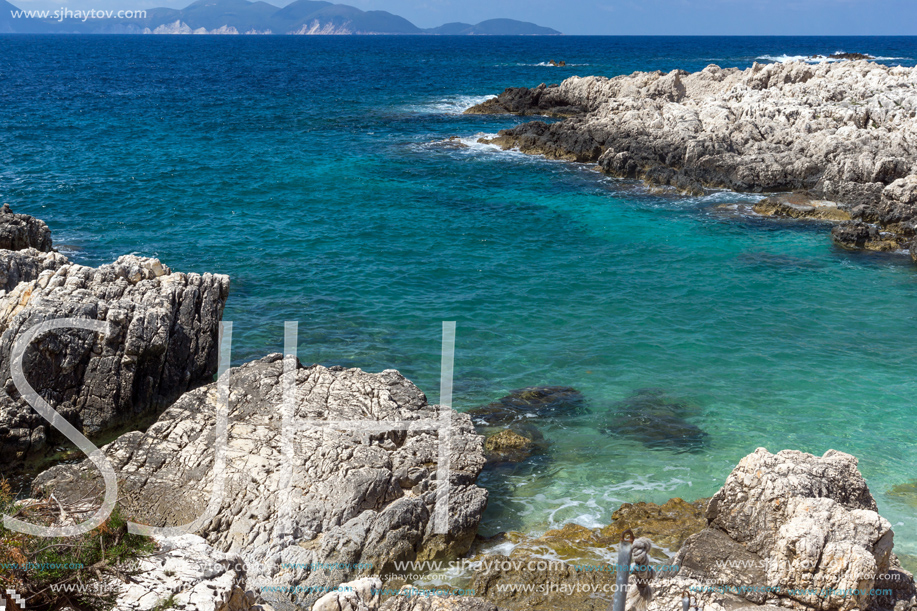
pixel 246 17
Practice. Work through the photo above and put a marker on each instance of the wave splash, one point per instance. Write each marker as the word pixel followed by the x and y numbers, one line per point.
pixel 837 56
pixel 453 105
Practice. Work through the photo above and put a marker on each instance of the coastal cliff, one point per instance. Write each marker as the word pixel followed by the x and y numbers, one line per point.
pixel 844 132
pixel 162 339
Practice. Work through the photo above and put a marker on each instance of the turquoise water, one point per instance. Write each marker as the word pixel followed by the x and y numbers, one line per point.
pixel 313 172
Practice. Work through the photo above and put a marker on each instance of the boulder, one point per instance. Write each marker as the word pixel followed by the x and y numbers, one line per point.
pixel 358 595
pixel 163 341
pixel 804 527
pixel 360 497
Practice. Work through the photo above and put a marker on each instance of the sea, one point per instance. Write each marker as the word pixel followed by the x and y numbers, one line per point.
pixel 337 182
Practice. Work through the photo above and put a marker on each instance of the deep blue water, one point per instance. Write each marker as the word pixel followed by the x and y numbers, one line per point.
pixel 311 170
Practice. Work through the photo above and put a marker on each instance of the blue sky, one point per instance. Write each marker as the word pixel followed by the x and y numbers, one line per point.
pixel 617 17
pixel 703 17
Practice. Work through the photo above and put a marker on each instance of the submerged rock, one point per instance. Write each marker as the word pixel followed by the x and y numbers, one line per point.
pixel 412 601
pixel 667 525
pixel 532 402
pixel 905 492
pixel 360 498
pixel 656 420
pixel 515 444
pixel 842 131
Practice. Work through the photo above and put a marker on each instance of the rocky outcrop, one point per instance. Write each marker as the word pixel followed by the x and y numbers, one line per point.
pixel 541 100
pixel 163 340
pixel 804 527
pixel 844 132
pixel 859 235
pixel 361 498
pixel 26 265
pixel 21 231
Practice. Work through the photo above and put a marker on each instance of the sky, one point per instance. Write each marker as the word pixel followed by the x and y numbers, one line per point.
pixel 622 17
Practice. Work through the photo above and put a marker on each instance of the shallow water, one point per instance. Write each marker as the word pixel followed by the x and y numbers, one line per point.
pixel 312 170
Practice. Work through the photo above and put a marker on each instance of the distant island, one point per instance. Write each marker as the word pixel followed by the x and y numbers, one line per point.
pixel 245 17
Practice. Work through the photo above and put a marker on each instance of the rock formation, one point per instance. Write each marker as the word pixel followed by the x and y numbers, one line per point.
pixel 803 524
pixel 26 265
pixel 360 499
pixel 844 132
pixel 21 231
pixel 163 340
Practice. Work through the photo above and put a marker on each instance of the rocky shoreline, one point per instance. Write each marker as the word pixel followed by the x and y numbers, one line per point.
pixel 328 518
pixel 844 132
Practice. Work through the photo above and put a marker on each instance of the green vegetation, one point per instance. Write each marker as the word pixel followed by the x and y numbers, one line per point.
pixel 39 568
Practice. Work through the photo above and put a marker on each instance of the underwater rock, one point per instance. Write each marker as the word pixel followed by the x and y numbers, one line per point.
pixel 515 444
pixel 905 492
pixel 655 419
pixel 532 402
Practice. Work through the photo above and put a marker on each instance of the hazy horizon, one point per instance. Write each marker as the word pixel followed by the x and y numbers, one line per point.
pixel 597 17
